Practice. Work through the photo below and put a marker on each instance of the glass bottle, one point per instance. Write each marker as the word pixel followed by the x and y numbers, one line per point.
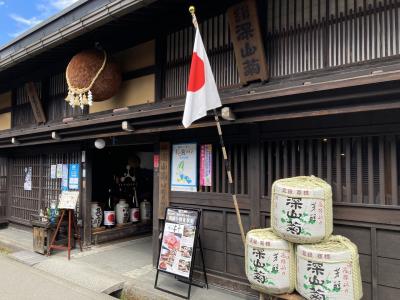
pixel 135 210
pixel 109 212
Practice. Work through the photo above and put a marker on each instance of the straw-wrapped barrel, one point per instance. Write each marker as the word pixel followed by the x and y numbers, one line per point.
pixel 270 262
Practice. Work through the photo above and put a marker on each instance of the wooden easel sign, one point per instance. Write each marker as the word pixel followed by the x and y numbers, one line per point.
pixel 178 247
pixel 68 200
pixel 67 205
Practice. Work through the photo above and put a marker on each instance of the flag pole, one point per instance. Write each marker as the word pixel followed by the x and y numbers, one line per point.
pixel 224 153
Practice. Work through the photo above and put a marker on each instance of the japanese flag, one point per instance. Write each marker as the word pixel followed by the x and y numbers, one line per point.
pixel 202 93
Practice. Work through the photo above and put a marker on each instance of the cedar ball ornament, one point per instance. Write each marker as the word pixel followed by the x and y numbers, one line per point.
pixel 91 76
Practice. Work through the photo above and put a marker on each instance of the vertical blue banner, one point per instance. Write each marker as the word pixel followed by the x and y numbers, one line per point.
pixel 74 177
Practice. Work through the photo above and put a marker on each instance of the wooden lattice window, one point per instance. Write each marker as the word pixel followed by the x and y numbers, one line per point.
pixel 361 170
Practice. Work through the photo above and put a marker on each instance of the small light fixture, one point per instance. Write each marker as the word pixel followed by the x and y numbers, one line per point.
pixel 227 114
pixel 55 136
pixel 342 154
pixel 325 140
pixel 127 127
pixel 14 141
pixel 99 144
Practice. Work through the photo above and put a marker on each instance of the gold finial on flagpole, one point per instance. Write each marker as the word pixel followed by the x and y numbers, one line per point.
pixel 192 11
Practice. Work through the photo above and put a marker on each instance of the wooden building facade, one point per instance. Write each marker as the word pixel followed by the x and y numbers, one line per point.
pixel 330 108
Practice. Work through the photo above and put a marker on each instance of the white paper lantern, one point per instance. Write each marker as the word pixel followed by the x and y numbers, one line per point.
pixel 99 143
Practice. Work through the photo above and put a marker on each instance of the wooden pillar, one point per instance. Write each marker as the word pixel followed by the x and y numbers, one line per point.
pixel 161 191
pixel 160 55
pixel 86 196
pixel 156 222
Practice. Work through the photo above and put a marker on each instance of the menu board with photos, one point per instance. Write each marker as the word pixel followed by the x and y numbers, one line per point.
pixel 178 241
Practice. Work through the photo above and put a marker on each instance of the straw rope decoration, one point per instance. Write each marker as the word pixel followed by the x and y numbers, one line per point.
pixel 304 182
pixel 336 243
pixel 83 96
pixel 268 234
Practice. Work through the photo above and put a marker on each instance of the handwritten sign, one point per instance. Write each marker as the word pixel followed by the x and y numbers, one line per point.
pixel 247 41
pixel 68 200
pixel 178 241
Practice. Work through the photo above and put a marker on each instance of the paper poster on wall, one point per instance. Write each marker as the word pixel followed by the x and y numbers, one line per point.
pixel 184 167
pixel 64 180
pixel 73 177
pixel 28 179
pixel 53 171
pixel 59 170
pixel 206 165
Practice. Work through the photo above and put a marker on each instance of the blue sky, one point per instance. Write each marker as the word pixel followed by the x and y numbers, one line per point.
pixel 17 16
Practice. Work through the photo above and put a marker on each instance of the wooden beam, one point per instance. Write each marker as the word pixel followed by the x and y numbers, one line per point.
pixel 36 104
pixel 157 109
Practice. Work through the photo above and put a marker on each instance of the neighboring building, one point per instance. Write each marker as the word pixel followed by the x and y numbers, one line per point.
pixel 330 108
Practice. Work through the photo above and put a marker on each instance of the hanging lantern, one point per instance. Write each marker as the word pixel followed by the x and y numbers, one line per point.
pixel 91 76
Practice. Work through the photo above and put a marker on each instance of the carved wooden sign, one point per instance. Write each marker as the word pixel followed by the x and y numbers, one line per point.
pixel 164 178
pixel 36 104
pixel 247 41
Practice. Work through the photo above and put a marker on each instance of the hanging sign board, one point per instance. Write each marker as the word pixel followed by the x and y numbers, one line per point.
pixel 64 180
pixel 73 182
pixel 247 41
pixel 178 241
pixel 68 200
pixel 206 165
pixel 28 179
pixel 184 167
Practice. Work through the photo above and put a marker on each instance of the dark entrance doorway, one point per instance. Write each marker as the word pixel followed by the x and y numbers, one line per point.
pixel 123 177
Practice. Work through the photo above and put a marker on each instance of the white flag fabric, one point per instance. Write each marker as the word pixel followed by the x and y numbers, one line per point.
pixel 202 93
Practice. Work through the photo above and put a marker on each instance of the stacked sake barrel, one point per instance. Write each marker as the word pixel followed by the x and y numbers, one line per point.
pixel 299 251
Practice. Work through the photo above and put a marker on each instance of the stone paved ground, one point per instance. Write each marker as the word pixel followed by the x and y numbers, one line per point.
pixel 108 267
pixel 21 282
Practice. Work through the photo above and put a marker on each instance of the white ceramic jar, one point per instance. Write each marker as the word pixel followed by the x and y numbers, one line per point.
pixel 97 214
pixel 122 211
pixel 145 211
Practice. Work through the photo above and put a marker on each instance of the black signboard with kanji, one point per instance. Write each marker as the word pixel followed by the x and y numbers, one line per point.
pixel 247 42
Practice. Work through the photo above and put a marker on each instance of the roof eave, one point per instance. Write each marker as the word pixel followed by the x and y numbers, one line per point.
pixel 89 22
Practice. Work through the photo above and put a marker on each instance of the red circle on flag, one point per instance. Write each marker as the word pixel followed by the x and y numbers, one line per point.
pixel 196 75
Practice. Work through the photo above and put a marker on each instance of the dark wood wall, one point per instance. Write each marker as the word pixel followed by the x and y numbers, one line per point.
pixel 3 188
pixel 361 168
pixel 24 203
pixel 299 36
